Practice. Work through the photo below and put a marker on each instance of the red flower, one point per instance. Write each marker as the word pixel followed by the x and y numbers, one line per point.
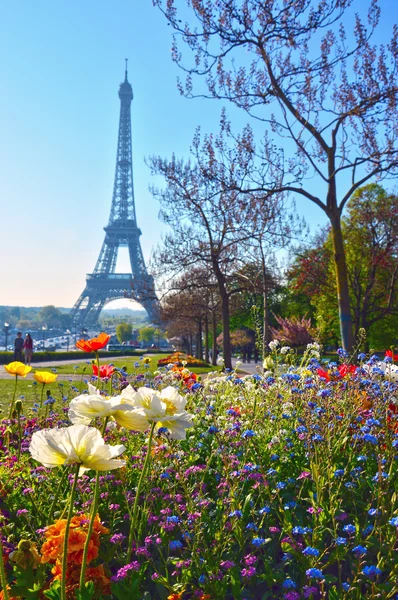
pixel 94 344
pixel 323 374
pixel 342 369
pixel 345 369
pixel 105 371
pixel 393 357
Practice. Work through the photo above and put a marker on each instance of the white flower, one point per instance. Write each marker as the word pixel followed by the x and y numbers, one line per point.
pixel 389 370
pixel 166 408
pixel 77 444
pixel 220 360
pixel 84 408
pixel 285 349
pixel 238 363
pixel 273 345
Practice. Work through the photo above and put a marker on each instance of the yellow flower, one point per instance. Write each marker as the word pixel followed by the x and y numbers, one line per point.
pixel 17 368
pixel 45 377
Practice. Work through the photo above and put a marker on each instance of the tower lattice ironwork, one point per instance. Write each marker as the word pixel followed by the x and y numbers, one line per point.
pixel 104 284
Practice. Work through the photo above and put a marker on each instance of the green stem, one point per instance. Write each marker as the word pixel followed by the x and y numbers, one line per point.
pixel 91 523
pixel 3 578
pixel 98 371
pixel 13 398
pixel 68 520
pixel 41 396
pixel 61 482
pixel 139 486
pixel 19 435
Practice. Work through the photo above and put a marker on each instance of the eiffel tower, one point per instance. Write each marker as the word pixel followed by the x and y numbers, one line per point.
pixel 104 285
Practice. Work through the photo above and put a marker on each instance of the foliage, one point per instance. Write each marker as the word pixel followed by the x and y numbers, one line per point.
pixel 371 240
pixel 124 332
pixel 293 331
pixel 313 75
pixel 146 334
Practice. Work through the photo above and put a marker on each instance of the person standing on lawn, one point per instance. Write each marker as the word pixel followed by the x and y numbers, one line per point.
pixel 28 348
pixel 18 347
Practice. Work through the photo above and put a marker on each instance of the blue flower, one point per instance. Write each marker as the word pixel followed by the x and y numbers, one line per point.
pixel 372 512
pixel 258 541
pixel 236 513
pixel 265 510
pixel 315 573
pixel 281 485
pixel 372 439
pixel 338 473
pixel 349 528
pixel 308 551
pixel 359 550
pixel 346 586
pixel 202 579
pixel 248 433
pixel 213 429
pixel 288 584
pixel 371 571
pixel 173 519
pixel 340 541
pixel 175 545
pixel 394 521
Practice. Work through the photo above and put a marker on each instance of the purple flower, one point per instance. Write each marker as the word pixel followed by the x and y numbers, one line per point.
pixel 227 564
pixel 117 538
pixel 123 572
pixel 248 572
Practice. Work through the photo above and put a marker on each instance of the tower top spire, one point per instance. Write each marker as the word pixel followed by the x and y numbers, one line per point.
pixel 125 90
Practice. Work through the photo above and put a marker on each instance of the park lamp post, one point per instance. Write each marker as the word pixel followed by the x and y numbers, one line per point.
pixel 67 339
pixel 44 329
pixel 6 328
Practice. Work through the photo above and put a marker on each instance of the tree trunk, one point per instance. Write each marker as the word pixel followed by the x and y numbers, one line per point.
pixel 199 346
pixel 226 346
pixel 265 324
pixel 343 296
pixel 214 348
pixel 207 338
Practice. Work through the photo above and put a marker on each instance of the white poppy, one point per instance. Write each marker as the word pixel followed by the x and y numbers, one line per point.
pixel 77 444
pixel 84 408
pixel 166 408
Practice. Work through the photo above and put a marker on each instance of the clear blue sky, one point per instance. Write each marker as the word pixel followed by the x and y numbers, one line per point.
pixel 62 63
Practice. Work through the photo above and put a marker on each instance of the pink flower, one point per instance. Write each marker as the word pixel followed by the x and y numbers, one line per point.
pixel 304 475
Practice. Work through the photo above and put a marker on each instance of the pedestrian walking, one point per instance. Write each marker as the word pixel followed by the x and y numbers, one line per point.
pixel 28 348
pixel 18 347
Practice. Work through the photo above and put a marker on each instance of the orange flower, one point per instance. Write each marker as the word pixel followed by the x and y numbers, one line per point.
pixel 175 596
pixel 94 574
pixel 54 534
pixel 94 344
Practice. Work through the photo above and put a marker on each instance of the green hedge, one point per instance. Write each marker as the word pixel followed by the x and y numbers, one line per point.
pixel 6 357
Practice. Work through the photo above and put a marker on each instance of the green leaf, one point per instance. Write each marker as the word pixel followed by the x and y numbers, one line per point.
pixel 87 593
pixel 54 593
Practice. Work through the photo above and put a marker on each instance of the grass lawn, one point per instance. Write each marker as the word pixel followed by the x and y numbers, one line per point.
pixel 129 362
pixel 31 390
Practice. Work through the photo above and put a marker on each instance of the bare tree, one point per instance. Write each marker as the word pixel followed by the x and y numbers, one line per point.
pixel 211 225
pixel 319 84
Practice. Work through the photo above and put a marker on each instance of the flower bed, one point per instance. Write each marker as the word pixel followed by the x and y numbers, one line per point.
pixel 181 359
pixel 277 487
